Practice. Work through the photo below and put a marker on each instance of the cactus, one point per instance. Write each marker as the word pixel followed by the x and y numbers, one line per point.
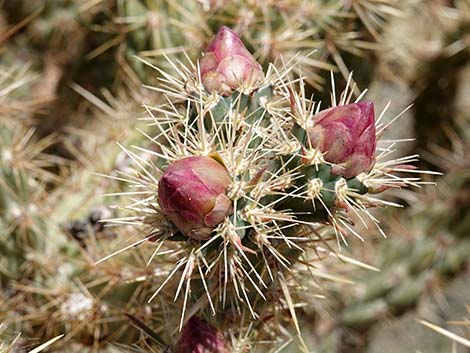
pixel 256 261
pixel 245 174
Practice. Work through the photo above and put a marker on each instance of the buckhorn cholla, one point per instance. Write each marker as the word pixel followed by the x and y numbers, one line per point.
pixel 242 172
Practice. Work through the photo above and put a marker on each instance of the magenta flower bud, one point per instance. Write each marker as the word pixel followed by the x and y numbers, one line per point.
pixel 346 136
pixel 200 337
pixel 192 194
pixel 227 64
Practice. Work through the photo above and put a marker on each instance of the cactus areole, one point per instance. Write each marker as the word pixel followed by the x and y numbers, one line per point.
pixel 192 194
pixel 346 134
pixel 227 64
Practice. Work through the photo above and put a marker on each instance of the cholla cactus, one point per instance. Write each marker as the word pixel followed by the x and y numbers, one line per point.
pixel 243 178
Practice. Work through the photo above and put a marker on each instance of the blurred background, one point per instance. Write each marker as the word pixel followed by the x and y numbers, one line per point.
pixel 71 86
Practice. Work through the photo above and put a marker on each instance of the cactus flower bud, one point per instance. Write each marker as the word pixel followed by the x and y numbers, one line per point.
pixel 346 134
pixel 200 337
pixel 227 64
pixel 192 194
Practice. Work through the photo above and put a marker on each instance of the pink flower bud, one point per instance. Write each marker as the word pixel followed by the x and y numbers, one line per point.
pixel 200 337
pixel 192 193
pixel 227 64
pixel 346 134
